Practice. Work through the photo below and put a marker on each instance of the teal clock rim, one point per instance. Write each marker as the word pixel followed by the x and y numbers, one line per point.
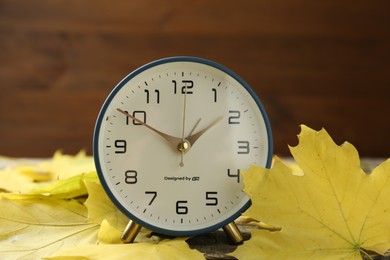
pixel 104 109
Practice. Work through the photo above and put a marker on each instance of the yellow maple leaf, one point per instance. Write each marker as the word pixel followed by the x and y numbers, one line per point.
pixel 69 188
pixel 24 175
pixel 108 234
pixel 169 249
pixel 63 166
pixel 32 227
pixel 101 208
pixel 333 210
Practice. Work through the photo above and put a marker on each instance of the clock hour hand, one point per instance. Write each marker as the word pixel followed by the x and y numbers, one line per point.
pixel 192 138
pixel 172 140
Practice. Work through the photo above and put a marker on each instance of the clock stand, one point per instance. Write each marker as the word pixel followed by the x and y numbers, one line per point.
pixel 132 229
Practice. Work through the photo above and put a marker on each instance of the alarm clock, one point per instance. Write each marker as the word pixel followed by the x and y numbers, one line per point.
pixel 170 142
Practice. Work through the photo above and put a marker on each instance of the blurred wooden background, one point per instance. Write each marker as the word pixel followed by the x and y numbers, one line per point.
pixel 319 63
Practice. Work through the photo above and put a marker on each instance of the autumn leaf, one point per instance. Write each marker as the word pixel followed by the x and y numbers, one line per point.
pixel 101 208
pixel 63 166
pixel 22 178
pixel 69 188
pixel 109 234
pixel 333 210
pixel 34 227
pixel 41 217
pixel 169 249
pixel 27 175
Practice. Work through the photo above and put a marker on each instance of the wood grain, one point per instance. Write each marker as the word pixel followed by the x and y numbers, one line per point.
pixel 319 63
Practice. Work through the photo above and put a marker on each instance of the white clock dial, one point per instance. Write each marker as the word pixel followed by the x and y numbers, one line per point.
pixel 170 142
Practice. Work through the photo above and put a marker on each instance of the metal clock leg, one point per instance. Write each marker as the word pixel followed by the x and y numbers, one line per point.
pixel 233 233
pixel 130 232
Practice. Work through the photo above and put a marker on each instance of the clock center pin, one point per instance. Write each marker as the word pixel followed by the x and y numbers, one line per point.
pixel 184 146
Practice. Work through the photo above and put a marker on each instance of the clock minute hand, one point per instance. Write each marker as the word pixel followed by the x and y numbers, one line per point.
pixel 172 140
pixel 192 138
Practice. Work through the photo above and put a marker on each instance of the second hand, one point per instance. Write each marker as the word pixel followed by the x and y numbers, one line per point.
pixel 183 143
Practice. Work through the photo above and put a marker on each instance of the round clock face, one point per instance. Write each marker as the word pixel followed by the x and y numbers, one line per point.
pixel 170 142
